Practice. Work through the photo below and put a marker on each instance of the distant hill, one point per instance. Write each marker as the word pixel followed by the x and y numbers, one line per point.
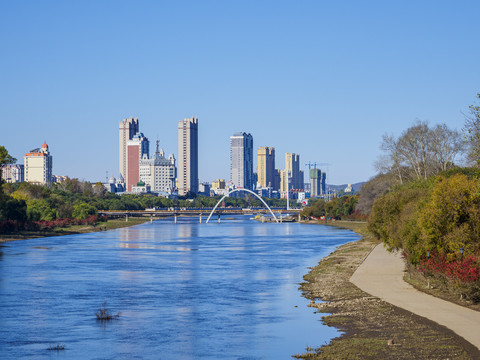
pixel 355 187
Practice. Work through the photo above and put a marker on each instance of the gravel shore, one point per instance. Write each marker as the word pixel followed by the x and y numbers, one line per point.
pixel 372 328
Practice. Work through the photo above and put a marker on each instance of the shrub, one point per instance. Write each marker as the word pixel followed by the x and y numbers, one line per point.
pixel 104 314
pixel 462 273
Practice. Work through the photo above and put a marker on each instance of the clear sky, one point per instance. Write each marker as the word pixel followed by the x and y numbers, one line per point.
pixel 324 79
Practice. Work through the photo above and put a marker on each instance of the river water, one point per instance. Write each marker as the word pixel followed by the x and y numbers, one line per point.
pixel 185 291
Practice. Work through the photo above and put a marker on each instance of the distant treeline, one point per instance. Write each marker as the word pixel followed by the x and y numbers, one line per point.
pixel 26 203
pixel 339 208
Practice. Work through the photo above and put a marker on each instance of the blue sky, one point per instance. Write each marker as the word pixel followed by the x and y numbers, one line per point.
pixel 321 79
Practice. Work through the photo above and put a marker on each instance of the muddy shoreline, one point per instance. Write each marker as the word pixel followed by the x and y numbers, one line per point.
pixel 372 328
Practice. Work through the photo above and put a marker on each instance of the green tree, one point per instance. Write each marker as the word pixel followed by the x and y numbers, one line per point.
pixel 82 211
pixel 5 159
pixel 12 209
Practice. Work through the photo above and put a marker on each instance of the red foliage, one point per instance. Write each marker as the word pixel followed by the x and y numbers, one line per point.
pixel 8 226
pixel 464 270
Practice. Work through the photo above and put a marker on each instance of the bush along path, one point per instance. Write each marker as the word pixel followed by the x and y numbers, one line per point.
pixel 381 274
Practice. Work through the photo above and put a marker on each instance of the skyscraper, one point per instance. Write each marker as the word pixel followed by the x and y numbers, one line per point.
pixel 317 182
pixel 241 160
pixel 137 148
pixel 38 165
pixel 266 166
pixel 188 156
pixel 292 164
pixel 127 129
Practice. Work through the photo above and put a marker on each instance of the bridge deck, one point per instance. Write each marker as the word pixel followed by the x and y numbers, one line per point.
pixel 192 212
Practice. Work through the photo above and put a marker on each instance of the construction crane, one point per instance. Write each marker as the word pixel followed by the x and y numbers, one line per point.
pixel 314 164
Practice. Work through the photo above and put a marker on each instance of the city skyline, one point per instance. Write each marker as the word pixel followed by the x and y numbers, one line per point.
pixel 322 80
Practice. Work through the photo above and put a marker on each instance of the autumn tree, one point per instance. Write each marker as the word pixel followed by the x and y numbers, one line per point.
pixel 420 152
pixel 451 217
pixel 372 190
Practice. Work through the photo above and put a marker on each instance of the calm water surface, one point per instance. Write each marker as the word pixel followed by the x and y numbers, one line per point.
pixel 185 291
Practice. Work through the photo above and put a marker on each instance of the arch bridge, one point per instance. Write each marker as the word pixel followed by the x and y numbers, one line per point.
pixel 240 189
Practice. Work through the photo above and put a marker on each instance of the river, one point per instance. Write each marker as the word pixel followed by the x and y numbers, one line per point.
pixel 185 291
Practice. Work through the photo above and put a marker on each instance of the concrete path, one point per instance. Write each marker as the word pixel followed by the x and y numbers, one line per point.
pixel 381 275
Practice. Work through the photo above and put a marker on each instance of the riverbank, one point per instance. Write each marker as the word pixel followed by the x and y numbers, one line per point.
pixel 372 328
pixel 72 230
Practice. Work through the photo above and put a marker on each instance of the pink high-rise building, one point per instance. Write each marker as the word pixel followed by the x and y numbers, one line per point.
pixel 137 148
pixel 128 128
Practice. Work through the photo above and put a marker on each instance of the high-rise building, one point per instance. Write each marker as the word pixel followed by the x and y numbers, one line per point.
pixel 13 173
pixel 127 130
pixel 159 172
pixel 285 181
pixel 266 167
pixel 188 156
pixel 137 148
pixel 292 164
pixel 38 165
pixel 241 160
pixel 301 181
pixel 276 179
pixel 317 182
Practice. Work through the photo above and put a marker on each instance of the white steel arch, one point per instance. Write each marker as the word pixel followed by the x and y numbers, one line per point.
pixel 235 190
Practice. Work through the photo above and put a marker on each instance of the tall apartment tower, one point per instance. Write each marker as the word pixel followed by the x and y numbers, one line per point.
pixel 128 128
pixel 317 182
pixel 292 166
pixel 137 148
pixel 188 156
pixel 241 160
pixel 38 165
pixel 266 166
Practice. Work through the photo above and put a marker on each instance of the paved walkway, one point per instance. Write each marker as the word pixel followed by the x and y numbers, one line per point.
pixel 381 275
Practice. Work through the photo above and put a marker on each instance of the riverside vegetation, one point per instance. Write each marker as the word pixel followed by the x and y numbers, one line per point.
pixel 426 206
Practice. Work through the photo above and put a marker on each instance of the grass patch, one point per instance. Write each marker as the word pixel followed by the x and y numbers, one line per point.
pixel 348 349
pixel 334 320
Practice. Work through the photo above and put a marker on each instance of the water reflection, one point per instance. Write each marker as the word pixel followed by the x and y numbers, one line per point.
pixel 185 290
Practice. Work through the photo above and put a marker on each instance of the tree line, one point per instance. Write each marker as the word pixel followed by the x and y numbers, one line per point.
pixel 425 201
pixel 428 205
